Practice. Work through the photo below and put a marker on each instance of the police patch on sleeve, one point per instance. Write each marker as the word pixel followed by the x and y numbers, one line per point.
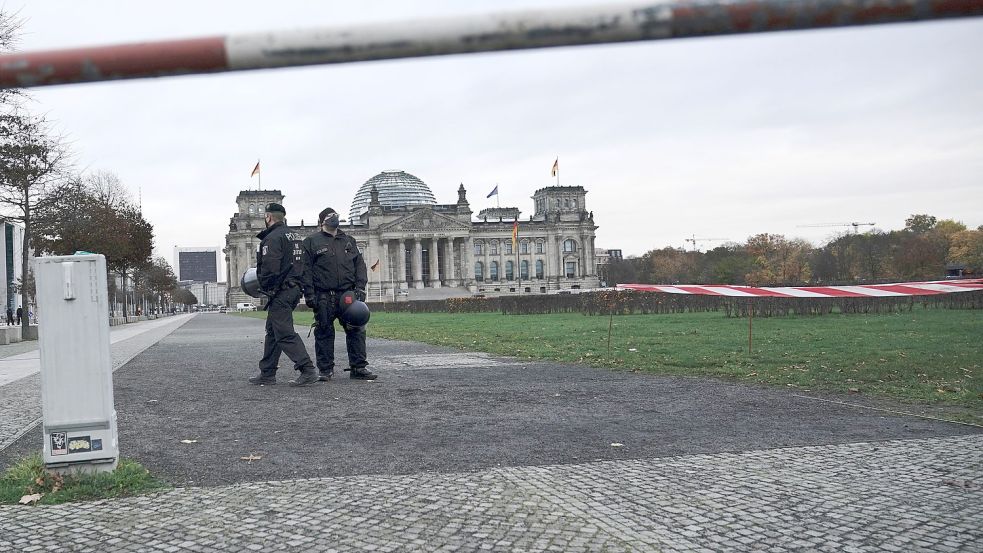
pixel 264 249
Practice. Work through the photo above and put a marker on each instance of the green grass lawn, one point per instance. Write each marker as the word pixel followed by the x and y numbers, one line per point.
pixel 28 477
pixel 928 356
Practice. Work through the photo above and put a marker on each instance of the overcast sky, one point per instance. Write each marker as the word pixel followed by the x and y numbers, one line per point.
pixel 718 138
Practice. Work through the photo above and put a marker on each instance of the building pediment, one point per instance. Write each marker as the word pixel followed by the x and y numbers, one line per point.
pixel 425 220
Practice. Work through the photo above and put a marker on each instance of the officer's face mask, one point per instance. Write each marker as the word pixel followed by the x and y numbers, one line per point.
pixel 331 221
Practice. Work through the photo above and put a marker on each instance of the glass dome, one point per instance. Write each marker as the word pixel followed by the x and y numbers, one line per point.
pixel 396 189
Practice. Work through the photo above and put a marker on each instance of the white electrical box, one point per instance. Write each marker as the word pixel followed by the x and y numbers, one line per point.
pixel 76 363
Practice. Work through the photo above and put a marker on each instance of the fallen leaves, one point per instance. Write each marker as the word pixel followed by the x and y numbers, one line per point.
pixel 29 499
pixel 189 441
pixel 251 457
pixel 616 444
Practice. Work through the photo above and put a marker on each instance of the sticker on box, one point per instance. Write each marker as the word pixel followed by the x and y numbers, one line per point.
pixel 79 444
pixel 59 443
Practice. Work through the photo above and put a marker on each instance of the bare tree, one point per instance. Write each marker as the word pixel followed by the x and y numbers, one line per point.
pixel 10 26
pixel 108 191
pixel 96 213
pixel 31 163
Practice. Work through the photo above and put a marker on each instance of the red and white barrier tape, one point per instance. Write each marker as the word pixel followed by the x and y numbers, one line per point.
pixel 929 288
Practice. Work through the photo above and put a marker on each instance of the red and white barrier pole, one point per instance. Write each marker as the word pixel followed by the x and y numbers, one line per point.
pixel 490 33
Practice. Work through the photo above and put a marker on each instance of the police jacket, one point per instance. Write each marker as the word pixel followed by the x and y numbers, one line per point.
pixel 278 261
pixel 332 263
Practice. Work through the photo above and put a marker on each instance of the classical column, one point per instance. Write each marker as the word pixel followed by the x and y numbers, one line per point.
pixel 385 270
pixel 486 259
pixel 417 263
pixel 546 257
pixel 558 256
pixel 501 261
pixel 435 262
pixel 401 264
pixel 449 262
pixel 467 263
pixel 589 255
pixel 593 259
pixel 582 256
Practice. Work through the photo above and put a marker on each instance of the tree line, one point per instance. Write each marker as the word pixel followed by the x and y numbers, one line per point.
pixel 920 251
pixel 63 211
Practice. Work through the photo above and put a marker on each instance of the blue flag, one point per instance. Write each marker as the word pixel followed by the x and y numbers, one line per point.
pixel 494 192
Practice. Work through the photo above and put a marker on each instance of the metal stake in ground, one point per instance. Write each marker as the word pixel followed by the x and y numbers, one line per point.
pixel 610 324
pixel 750 320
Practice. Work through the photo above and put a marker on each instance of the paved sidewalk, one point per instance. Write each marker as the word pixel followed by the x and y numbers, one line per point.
pixel 20 360
pixel 915 495
pixel 20 383
pixel 460 451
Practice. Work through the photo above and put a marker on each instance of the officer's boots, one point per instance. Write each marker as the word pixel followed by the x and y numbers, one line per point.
pixel 361 373
pixel 307 376
pixel 263 380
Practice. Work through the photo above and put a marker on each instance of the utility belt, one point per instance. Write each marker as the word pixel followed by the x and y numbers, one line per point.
pixel 287 286
pixel 333 293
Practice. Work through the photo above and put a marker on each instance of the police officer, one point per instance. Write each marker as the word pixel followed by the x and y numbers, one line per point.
pixel 332 266
pixel 279 271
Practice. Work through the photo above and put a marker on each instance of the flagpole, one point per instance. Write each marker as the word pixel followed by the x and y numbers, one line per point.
pixel 558 170
pixel 261 174
pixel 496 195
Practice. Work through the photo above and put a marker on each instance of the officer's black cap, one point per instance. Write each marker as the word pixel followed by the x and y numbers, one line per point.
pixel 275 208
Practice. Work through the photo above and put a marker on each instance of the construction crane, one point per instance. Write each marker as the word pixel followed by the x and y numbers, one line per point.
pixel 855 225
pixel 693 240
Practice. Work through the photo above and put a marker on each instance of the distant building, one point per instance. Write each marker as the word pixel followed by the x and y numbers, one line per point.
pixel 603 258
pixel 425 250
pixel 197 264
pixel 208 293
pixel 10 266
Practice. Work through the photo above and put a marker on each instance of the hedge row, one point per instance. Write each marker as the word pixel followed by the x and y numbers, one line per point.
pixel 631 302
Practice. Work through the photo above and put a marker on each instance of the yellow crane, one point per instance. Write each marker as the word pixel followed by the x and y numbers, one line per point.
pixel 855 225
pixel 693 240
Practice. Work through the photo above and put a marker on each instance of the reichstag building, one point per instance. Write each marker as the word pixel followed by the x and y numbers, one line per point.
pixel 427 250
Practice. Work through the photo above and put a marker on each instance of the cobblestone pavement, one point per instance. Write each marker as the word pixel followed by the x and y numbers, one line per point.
pixel 905 495
pixel 20 407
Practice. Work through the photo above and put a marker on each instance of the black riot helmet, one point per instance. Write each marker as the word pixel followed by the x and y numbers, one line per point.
pixel 250 283
pixel 353 311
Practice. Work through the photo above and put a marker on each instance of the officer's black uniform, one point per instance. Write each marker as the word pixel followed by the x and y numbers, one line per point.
pixel 333 265
pixel 278 269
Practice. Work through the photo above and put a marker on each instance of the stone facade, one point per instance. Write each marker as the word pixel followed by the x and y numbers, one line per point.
pixel 433 251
